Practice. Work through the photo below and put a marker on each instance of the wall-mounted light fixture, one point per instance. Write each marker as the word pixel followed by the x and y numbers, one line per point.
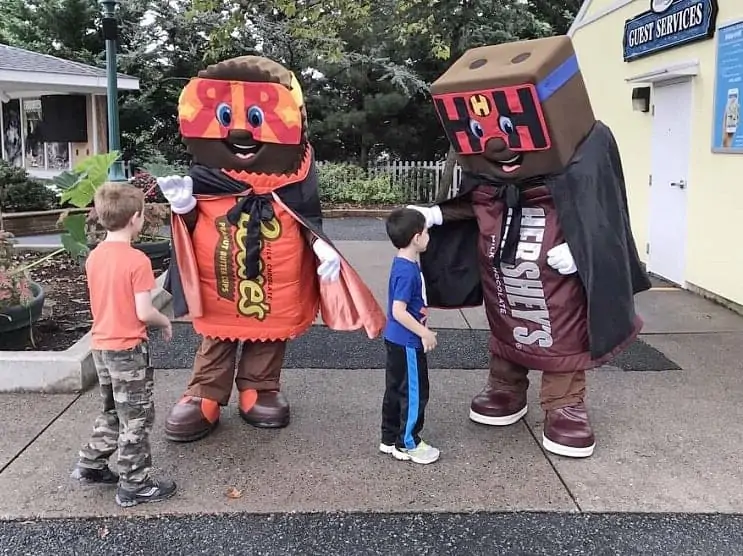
pixel 641 99
pixel 4 97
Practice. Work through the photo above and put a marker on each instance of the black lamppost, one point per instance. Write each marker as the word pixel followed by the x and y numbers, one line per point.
pixel 110 34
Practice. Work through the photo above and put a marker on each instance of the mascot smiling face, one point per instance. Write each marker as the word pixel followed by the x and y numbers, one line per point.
pixel 245 115
pixel 516 110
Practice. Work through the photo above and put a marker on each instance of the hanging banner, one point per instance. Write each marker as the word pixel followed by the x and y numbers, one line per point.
pixel 668 24
pixel 727 136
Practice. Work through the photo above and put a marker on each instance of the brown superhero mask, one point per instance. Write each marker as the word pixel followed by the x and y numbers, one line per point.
pixel 515 110
pixel 244 114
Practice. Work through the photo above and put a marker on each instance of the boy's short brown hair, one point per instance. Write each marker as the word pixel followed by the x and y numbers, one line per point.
pixel 116 204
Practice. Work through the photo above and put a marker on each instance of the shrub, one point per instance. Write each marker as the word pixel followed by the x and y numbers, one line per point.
pixel 346 183
pixel 19 192
pixel 148 183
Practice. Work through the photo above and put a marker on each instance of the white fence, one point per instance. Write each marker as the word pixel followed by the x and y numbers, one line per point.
pixel 420 180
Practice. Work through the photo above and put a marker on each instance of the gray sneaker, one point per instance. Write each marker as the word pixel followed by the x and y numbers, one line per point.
pixel 422 453
pixel 150 491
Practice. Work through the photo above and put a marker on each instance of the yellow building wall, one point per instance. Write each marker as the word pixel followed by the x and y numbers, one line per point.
pixel 714 260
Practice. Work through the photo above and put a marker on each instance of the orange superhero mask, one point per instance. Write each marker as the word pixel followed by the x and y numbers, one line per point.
pixel 211 108
pixel 513 114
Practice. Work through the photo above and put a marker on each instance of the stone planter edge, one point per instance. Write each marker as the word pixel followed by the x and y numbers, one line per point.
pixel 57 372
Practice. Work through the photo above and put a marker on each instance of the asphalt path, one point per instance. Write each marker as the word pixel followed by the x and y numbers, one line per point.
pixel 380 534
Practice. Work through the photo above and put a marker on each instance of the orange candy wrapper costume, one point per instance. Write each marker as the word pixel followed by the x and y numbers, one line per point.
pixel 247 242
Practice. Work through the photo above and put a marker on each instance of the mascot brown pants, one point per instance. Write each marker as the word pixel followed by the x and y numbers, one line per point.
pixel 259 368
pixel 261 402
pixel 558 389
pixel 503 401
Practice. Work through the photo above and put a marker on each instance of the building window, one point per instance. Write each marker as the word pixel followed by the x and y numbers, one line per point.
pixel 22 143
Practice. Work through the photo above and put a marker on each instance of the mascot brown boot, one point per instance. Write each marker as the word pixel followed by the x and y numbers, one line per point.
pixel 265 409
pixel 258 376
pixel 191 419
pixel 503 400
pixel 197 413
pixel 567 430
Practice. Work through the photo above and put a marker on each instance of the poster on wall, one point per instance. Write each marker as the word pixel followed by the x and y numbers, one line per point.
pixel 728 134
pixel 32 134
pixel 12 133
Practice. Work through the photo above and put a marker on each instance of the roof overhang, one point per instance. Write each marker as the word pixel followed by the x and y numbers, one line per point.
pixel 21 83
pixel 582 19
pixel 687 69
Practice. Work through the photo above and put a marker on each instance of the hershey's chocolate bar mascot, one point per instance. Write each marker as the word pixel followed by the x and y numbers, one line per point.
pixel 539 229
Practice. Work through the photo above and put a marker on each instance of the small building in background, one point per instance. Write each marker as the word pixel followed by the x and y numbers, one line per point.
pixel 53 112
pixel 667 77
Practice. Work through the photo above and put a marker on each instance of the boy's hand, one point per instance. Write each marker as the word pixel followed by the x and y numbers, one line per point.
pixel 168 332
pixel 179 193
pixel 429 340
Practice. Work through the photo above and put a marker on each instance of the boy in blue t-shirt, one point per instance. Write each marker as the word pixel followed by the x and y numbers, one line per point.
pixel 407 340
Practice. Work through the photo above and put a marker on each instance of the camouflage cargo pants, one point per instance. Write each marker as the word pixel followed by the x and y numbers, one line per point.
pixel 126 381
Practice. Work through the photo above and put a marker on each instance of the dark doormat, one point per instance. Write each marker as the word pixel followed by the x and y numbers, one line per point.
pixel 322 348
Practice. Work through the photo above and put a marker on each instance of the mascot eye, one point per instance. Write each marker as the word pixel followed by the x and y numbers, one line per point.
pixel 506 125
pixel 476 128
pixel 224 114
pixel 255 116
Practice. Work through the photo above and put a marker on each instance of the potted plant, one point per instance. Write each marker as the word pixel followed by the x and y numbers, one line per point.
pixel 84 232
pixel 21 299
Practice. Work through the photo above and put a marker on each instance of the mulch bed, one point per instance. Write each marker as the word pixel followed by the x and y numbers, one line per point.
pixel 66 315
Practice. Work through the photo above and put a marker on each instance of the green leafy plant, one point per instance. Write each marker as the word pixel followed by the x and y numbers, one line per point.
pixel 90 173
pixel 79 187
pixel 347 183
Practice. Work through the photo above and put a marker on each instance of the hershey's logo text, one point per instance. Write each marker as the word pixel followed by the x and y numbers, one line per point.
pixel 523 285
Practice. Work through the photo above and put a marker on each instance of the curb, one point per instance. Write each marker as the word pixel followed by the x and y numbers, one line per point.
pixel 356 213
pixel 58 372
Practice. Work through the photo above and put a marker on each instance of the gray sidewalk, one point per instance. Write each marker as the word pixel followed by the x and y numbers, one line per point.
pixel 667 441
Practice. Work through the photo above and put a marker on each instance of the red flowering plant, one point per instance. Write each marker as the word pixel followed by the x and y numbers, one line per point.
pixel 144 180
pixel 15 284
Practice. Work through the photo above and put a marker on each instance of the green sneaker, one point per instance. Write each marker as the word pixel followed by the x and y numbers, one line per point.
pixel 422 453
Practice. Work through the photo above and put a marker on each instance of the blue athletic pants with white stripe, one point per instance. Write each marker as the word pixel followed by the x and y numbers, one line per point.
pixel 405 396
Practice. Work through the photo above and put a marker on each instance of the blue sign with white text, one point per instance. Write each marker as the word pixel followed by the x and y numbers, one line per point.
pixel 728 135
pixel 669 23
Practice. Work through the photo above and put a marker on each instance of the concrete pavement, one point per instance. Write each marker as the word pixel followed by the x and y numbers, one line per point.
pixel 668 442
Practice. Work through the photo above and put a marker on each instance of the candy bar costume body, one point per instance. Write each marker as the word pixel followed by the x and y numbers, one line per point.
pixel 243 266
pixel 539 172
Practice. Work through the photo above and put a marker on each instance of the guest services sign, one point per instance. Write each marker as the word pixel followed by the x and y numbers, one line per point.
pixel 667 24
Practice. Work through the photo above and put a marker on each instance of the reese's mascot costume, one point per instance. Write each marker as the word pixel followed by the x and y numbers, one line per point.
pixel 248 244
pixel 539 230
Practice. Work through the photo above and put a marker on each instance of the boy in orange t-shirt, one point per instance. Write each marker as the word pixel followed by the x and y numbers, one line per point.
pixel 120 282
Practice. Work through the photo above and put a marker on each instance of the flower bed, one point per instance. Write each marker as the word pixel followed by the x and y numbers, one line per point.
pixel 65 317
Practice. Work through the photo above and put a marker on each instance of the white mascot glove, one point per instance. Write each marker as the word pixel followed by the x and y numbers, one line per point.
pixel 561 259
pixel 179 193
pixel 330 262
pixel 433 214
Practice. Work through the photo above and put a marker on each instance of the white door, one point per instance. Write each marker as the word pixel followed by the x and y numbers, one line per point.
pixel 669 183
